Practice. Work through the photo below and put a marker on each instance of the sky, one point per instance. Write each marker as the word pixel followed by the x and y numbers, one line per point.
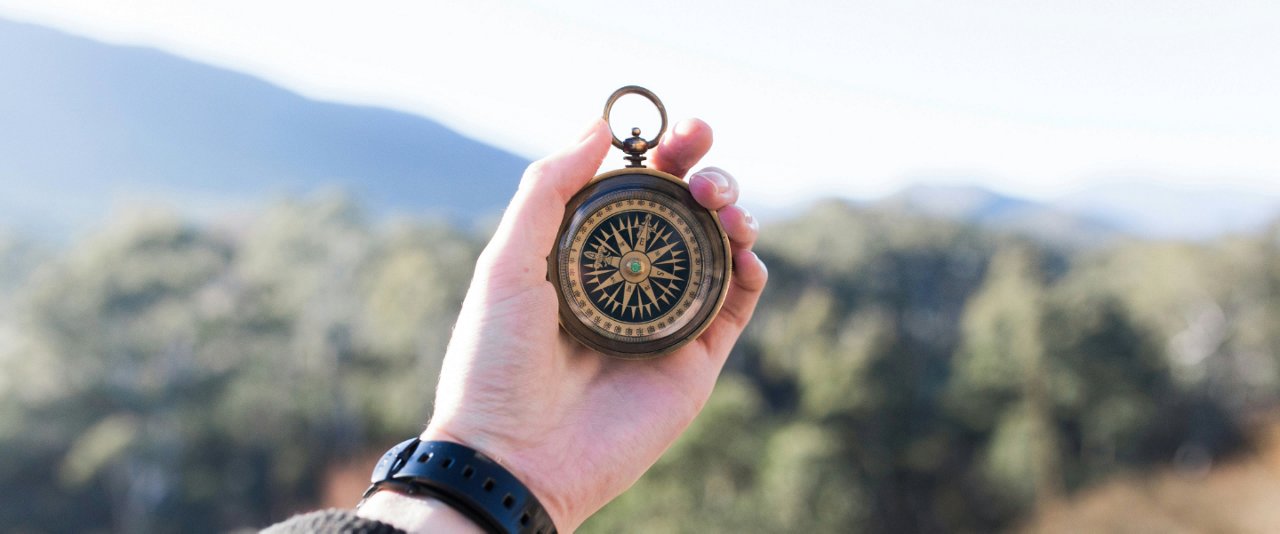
pixel 807 99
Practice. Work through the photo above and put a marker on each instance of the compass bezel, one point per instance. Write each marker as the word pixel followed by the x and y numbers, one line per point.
pixel 715 279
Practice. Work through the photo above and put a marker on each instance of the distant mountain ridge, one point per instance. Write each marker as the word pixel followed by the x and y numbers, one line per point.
pixel 86 125
pixel 1094 216
pixel 83 123
pixel 1003 213
pixel 1170 212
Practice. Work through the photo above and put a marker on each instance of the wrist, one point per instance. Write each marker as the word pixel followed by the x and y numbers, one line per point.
pixel 416 513
pixel 518 464
pixel 466 479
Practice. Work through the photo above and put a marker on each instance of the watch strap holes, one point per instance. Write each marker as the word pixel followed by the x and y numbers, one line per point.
pixel 462 478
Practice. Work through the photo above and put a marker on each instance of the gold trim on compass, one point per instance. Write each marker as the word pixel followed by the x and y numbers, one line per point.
pixel 609 206
pixel 639 267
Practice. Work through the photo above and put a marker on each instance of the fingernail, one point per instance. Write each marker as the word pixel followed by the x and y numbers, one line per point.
pixel 721 183
pixel 683 127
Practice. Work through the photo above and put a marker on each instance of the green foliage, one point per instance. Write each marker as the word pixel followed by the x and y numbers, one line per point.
pixel 902 374
pixel 204 379
pixel 918 375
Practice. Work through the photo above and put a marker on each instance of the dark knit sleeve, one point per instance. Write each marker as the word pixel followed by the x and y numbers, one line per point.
pixel 331 521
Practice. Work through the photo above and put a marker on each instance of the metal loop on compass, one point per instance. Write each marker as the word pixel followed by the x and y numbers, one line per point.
pixel 662 111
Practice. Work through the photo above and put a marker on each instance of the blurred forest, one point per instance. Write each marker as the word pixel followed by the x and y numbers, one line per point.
pixel 902 374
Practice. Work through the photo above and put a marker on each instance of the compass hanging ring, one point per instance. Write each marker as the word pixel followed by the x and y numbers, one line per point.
pixel 635 145
pixel 640 268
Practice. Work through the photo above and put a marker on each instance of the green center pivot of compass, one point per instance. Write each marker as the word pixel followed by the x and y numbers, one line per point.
pixel 635 266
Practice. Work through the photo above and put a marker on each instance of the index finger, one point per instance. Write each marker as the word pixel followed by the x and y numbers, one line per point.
pixel 681 149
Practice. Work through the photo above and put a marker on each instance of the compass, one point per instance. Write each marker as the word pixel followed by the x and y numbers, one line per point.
pixel 639 266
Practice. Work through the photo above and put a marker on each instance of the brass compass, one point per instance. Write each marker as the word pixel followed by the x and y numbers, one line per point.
pixel 639 266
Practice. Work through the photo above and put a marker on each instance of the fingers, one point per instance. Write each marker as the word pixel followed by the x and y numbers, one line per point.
pixel 741 227
pixel 713 188
pixel 557 177
pixel 682 147
pixel 749 278
pixel 528 229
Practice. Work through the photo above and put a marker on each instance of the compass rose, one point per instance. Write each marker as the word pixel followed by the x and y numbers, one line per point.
pixel 635 266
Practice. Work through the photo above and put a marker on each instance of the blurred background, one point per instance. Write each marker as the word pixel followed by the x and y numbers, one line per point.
pixel 1024 257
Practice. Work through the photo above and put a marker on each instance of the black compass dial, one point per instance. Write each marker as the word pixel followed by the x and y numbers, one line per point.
pixel 640 267
pixel 636 266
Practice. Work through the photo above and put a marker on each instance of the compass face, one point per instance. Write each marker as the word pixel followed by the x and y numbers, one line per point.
pixel 637 269
pixel 635 266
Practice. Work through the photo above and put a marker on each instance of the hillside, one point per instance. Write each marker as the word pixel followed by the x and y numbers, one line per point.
pixel 86 125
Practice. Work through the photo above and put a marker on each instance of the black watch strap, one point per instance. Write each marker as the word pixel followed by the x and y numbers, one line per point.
pixel 465 479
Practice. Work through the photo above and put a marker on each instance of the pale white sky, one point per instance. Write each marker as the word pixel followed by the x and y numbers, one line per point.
pixel 807 99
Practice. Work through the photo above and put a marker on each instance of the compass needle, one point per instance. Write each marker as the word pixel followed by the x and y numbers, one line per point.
pixel 613 300
pixel 643 241
pixel 623 247
pixel 604 244
pixel 617 277
pixel 655 272
pixel 648 291
pixel 628 290
pixel 655 254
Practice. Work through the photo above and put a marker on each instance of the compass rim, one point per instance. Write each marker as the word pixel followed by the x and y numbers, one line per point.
pixel 697 246
pixel 702 318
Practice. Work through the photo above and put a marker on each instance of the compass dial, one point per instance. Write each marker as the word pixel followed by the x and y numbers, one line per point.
pixel 637 268
pixel 635 265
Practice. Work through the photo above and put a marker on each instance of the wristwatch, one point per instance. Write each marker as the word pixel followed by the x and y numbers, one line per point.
pixel 465 479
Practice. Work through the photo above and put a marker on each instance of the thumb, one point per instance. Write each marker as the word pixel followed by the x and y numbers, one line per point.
pixel 528 229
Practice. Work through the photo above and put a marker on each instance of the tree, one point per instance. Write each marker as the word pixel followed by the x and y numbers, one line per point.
pixel 1002 380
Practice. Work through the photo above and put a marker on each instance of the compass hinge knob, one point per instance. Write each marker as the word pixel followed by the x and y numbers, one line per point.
pixel 635 146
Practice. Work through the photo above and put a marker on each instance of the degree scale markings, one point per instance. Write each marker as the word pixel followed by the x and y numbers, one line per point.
pixel 627 245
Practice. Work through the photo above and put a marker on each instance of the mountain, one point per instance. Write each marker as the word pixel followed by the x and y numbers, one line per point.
pixel 1155 211
pixel 85 125
pixel 1002 213
pixel 1096 215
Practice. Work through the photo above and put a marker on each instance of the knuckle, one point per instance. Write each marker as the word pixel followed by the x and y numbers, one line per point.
pixel 536 170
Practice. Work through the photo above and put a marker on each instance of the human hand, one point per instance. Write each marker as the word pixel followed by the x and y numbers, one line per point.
pixel 576 426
